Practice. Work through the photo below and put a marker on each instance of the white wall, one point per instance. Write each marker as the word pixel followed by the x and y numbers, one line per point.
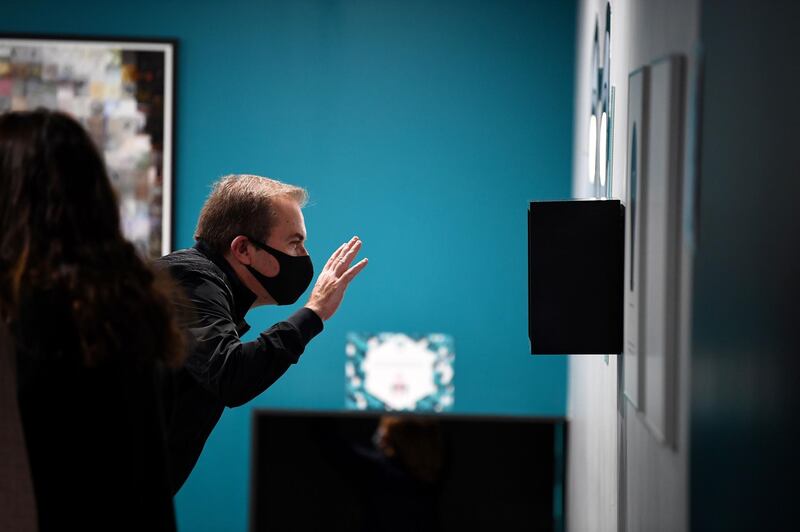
pixel 619 476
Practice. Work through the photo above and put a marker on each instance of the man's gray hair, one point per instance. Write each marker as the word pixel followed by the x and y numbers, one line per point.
pixel 242 204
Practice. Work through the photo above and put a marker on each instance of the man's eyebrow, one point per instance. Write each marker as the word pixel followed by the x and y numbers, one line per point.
pixel 297 236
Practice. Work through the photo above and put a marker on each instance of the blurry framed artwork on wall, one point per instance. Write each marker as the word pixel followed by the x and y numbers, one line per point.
pixel 122 91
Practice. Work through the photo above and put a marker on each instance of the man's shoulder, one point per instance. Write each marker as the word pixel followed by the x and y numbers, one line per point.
pixel 188 265
pixel 188 259
pixel 202 280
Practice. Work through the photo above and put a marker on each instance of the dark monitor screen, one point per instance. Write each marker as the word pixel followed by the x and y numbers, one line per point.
pixel 360 472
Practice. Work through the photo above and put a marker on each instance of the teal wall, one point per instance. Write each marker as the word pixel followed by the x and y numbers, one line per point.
pixel 744 352
pixel 423 126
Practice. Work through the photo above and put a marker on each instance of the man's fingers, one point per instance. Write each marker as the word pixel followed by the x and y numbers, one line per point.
pixel 352 272
pixel 333 261
pixel 347 258
pixel 340 252
pixel 334 257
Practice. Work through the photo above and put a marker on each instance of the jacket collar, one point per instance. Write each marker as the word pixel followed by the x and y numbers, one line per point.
pixel 243 297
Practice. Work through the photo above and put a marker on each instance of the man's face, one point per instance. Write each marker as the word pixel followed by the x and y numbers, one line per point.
pixel 288 232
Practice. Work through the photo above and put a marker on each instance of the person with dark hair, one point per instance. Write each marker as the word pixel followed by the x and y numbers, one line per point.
pixel 250 251
pixel 91 326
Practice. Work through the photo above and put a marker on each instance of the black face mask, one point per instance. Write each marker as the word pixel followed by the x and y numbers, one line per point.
pixel 293 278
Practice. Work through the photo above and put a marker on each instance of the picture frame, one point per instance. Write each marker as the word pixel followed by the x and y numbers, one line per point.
pixel 122 90
pixel 661 201
pixel 636 172
pixel 394 371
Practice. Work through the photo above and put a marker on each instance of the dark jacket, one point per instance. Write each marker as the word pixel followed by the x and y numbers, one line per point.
pixel 95 436
pixel 221 370
pixel 17 505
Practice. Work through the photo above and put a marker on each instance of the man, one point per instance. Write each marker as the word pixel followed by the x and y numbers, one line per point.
pixel 250 251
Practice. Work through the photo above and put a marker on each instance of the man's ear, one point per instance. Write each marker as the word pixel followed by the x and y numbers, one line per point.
pixel 240 249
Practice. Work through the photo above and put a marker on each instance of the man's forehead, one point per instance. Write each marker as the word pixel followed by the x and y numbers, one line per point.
pixel 289 221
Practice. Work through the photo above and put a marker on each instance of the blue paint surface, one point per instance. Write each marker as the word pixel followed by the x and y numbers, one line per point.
pixel 424 127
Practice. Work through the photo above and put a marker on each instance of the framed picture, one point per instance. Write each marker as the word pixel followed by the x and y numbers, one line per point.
pixel 636 190
pixel 122 91
pixel 661 207
pixel 392 371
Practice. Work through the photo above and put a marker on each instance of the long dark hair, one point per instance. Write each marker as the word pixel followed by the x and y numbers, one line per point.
pixel 60 232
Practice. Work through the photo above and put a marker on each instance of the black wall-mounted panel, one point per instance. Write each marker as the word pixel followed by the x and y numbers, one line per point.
pixel 575 276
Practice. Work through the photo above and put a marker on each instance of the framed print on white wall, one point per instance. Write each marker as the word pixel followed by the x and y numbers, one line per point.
pixel 661 203
pixel 635 222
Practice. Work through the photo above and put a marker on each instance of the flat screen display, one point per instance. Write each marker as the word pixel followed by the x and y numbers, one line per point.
pixel 366 471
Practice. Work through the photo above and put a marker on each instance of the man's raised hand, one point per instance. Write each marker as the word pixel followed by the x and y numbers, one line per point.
pixel 334 278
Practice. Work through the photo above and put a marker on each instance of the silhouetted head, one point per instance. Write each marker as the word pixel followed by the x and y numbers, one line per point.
pixel 60 233
pixel 56 197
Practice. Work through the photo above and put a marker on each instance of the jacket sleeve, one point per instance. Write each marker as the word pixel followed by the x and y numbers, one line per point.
pixel 233 370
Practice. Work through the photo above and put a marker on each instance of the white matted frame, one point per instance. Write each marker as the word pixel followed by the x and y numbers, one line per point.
pixel 661 203
pixel 636 173
pixel 122 91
